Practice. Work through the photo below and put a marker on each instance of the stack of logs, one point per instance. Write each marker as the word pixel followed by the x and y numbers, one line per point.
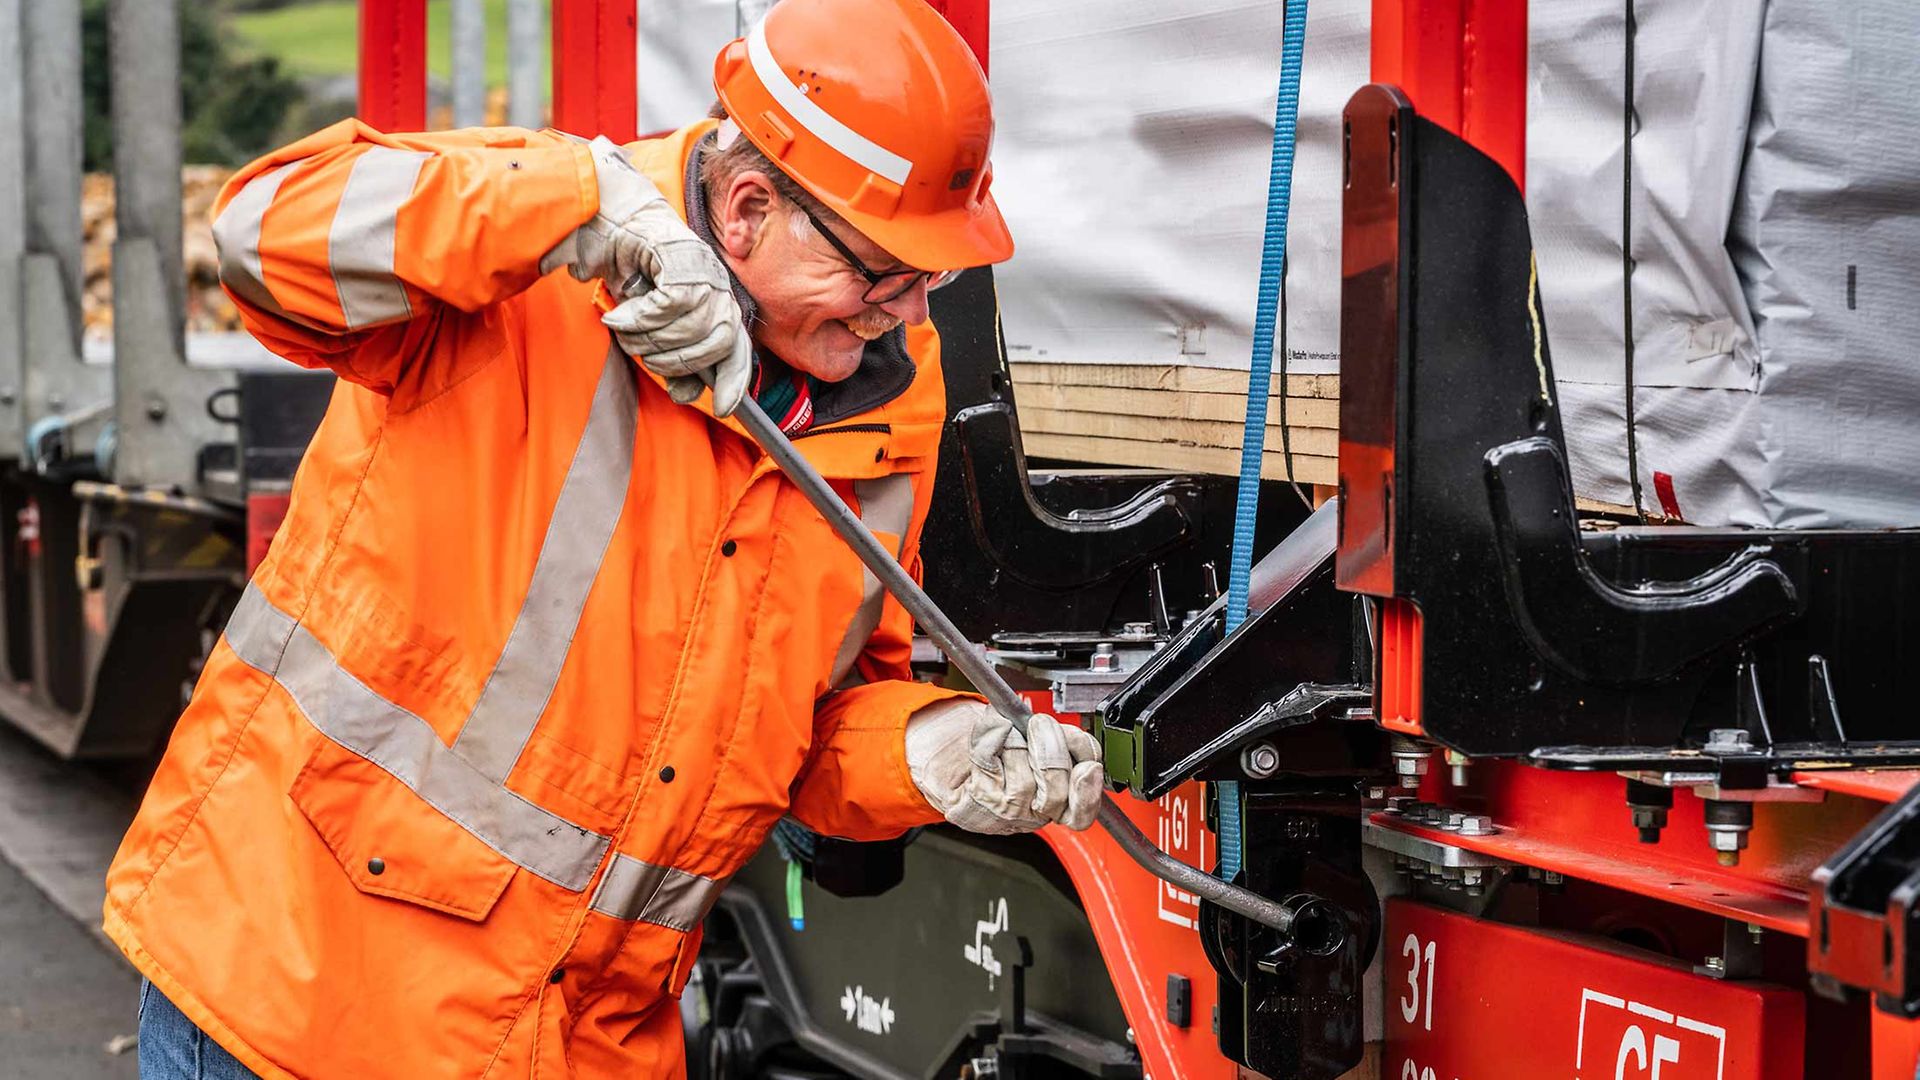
pixel 208 309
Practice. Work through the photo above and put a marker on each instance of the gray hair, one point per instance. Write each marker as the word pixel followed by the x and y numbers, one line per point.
pixel 718 168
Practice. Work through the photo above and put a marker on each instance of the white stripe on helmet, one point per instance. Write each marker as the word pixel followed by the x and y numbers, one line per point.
pixel 856 147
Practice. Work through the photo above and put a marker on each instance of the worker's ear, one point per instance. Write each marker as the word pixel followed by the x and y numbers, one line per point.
pixel 746 209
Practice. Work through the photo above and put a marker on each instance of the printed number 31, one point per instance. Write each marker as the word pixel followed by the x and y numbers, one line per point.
pixel 1410 1001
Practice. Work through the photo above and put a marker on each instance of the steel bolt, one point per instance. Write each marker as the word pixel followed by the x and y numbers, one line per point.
pixel 1648 804
pixel 1103 658
pixel 1476 825
pixel 156 410
pixel 1716 964
pixel 1648 821
pixel 1458 762
pixel 1137 631
pixel 1260 760
pixel 1552 877
pixel 1375 794
pixel 1452 821
pixel 1410 768
pixel 1409 760
pixel 1401 805
pixel 1728 823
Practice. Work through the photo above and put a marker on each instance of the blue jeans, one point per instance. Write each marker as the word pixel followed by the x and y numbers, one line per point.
pixel 173 1048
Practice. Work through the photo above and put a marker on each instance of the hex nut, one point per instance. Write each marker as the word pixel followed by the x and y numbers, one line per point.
pixel 1260 760
pixel 1477 825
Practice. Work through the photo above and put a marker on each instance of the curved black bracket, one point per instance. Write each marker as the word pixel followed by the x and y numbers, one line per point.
pixel 1008 549
pixel 1595 629
pixel 1529 634
pixel 1058 552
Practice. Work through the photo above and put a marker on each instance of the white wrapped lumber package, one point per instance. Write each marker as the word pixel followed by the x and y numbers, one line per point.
pixel 1770 218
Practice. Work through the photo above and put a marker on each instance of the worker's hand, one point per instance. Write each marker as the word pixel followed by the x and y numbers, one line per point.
pixel 980 773
pixel 676 314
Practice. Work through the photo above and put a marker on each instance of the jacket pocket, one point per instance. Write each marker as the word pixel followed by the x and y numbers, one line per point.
pixel 684 962
pixel 392 843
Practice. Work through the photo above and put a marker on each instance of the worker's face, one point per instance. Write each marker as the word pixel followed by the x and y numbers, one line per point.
pixel 813 313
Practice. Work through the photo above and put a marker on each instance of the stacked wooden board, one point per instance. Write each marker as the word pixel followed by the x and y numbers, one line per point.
pixel 1185 418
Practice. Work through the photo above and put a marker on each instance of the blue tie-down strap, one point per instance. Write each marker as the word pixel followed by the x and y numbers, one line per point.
pixel 1273 255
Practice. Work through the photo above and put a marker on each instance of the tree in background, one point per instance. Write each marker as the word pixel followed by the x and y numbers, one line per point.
pixel 232 107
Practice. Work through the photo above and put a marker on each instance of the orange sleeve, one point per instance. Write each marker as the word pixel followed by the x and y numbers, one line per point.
pixel 856 783
pixel 339 248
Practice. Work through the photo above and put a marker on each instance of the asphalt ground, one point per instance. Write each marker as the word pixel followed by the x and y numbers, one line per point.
pixel 67 999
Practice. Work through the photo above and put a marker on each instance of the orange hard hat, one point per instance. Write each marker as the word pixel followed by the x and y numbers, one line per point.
pixel 879 109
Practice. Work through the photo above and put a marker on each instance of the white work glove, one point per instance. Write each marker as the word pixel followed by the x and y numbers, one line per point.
pixel 681 319
pixel 979 772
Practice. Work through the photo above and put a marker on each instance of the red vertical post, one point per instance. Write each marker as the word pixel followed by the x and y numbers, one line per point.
pixel 393 64
pixel 595 86
pixel 1463 64
pixel 969 17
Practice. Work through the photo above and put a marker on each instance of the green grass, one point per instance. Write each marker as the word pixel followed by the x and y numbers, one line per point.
pixel 320 37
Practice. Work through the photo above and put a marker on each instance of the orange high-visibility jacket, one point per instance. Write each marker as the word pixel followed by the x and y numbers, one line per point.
pixel 537 658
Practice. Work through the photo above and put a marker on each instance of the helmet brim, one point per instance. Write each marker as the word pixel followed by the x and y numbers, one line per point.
pixel 956 239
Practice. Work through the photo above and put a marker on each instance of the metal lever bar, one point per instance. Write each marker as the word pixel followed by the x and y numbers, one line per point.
pixel 974 665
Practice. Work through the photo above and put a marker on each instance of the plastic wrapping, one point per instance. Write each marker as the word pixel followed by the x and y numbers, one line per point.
pixel 1774 222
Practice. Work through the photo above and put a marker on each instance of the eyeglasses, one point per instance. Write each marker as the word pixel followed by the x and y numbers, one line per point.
pixel 882 288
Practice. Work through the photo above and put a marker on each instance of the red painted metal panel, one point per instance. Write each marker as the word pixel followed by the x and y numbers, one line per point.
pixel 1463 63
pixel 1885 785
pixel 265 511
pixel 1400 667
pixel 1146 928
pixel 1896 1047
pixel 595 89
pixel 393 64
pixel 970 18
pixel 1470 998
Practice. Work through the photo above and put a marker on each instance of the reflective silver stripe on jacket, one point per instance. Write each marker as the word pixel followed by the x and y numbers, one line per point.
pixel 236 235
pixel 345 710
pixel 360 242
pixel 467 780
pixel 636 890
pixel 584 518
pixel 886 506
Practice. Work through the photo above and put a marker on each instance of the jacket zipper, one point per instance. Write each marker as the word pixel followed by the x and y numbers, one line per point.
pixel 884 429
